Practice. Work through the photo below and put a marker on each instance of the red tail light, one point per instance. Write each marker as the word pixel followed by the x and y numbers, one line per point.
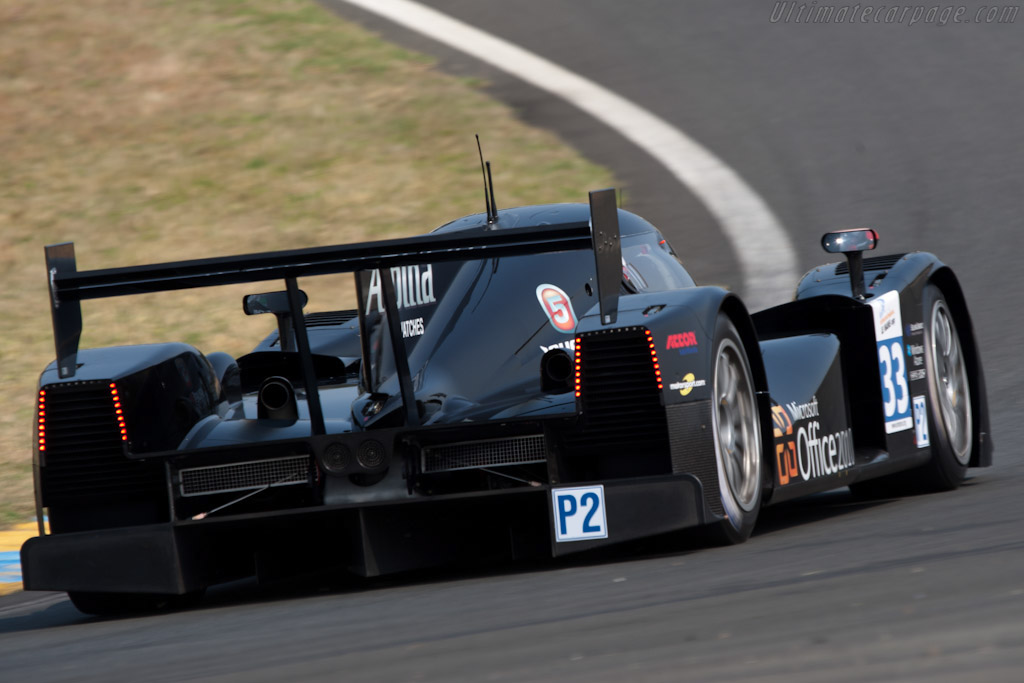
pixel 41 429
pixel 654 357
pixel 576 348
pixel 119 412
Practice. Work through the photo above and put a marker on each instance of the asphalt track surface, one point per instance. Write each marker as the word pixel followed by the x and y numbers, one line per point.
pixel 912 130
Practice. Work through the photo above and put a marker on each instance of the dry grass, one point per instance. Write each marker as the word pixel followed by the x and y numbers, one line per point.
pixel 151 131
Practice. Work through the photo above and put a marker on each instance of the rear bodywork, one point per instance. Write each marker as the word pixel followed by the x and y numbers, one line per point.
pixel 496 376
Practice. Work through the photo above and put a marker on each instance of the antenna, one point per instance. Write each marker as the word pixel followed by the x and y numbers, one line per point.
pixel 490 183
pixel 484 172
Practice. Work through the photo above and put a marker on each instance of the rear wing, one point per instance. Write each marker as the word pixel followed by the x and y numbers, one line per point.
pixel 69 287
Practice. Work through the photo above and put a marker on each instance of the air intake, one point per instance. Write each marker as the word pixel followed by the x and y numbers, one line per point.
pixel 874 263
pixel 245 476
pixel 517 450
pixel 328 318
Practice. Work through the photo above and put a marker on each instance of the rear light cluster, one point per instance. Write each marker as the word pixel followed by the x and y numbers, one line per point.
pixel 650 345
pixel 654 357
pixel 42 420
pixel 577 347
pixel 119 412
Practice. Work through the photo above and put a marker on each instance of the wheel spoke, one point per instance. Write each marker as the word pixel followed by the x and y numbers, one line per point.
pixel 730 466
pixel 944 336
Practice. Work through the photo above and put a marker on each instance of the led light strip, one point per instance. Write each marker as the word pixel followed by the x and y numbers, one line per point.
pixel 42 420
pixel 654 356
pixel 577 347
pixel 119 412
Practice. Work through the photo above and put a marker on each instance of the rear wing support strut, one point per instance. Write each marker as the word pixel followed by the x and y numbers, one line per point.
pixel 316 412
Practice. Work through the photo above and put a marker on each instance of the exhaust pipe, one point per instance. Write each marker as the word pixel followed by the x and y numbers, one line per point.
pixel 556 368
pixel 276 400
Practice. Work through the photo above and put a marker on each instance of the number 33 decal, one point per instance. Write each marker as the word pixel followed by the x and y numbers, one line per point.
pixel 892 364
pixel 895 393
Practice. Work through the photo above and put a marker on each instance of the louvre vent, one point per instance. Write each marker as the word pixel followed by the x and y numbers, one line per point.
pixel 873 263
pixel 327 318
pixel 84 457
pixel 620 400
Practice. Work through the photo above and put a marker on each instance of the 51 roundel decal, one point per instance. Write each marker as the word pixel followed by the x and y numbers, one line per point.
pixel 558 308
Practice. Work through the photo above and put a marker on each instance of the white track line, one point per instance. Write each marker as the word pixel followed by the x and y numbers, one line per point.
pixel 762 246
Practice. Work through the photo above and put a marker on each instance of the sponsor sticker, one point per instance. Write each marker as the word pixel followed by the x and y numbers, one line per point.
pixel 914 329
pixel 803 411
pixel 412 328
pixel 579 513
pixel 414 286
pixel 891 364
pixel 802 453
pixel 569 345
pixel 921 422
pixel 785 446
pixel 916 353
pixel 916 375
pixel 819 456
pixel 557 307
pixel 684 342
pixel 688 384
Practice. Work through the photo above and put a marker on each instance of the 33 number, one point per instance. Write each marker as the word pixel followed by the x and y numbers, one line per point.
pixel 895 393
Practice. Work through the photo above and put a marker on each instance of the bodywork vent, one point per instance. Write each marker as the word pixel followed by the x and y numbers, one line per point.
pixel 620 401
pixel 326 318
pixel 873 263
pixel 693 449
pixel 245 476
pixel 85 457
pixel 517 450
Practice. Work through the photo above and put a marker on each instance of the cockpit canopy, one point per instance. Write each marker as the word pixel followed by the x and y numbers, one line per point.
pixel 477 329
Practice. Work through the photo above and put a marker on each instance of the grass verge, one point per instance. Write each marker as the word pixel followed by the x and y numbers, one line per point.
pixel 150 131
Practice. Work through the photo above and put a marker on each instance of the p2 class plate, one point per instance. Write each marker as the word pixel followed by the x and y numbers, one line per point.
pixel 579 513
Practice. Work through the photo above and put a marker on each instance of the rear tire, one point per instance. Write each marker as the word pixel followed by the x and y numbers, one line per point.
pixel 736 427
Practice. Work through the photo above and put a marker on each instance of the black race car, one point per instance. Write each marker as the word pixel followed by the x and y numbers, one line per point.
pixel 531 382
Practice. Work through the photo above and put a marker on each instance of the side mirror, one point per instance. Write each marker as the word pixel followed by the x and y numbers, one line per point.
pixel 269 302
pixel 276 303
pixel 851 243
pixel 842 241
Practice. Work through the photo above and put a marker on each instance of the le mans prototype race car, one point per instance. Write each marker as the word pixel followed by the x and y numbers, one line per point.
pixel 528 382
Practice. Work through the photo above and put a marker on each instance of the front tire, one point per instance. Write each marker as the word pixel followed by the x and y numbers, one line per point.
pixel 949 410
pixel 737 434
pixel 951 417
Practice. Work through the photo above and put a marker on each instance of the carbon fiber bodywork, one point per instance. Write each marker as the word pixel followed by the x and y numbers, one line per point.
pixel 490 368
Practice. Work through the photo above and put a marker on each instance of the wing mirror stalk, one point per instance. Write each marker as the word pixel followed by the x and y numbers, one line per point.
pixel 276 303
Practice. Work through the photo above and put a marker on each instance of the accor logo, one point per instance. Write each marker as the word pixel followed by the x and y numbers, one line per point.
pixel 684 342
